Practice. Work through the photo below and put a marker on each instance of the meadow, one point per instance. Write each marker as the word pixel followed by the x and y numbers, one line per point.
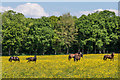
pixel 58 66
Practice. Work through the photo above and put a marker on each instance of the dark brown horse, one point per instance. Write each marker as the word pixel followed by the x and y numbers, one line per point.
pixel 31 59
pixel 77 57
pixel 73 55
pixel 14 59
pixel 109 56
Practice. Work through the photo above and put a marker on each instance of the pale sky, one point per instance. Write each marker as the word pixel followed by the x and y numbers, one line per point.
pixel 39 9
pixel 59 0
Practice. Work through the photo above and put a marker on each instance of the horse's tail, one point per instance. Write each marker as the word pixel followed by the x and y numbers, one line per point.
pixel 69 57
pixel 75 58
pixel 104 58
pixel 18 59
pixel 10 59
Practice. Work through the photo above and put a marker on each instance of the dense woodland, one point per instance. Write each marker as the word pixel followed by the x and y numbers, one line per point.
pixel 97 32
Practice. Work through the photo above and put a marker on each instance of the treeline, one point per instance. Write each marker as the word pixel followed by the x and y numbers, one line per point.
pixel 0 34
pixel 98 32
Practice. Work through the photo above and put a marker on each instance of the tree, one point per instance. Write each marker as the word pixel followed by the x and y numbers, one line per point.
pixel 83 31
pixel 66 30
pixel 95 32
pixel 0 33
pixel 12 31
pixel 55 38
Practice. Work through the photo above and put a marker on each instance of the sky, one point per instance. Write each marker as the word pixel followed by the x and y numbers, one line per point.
pixel 60 0
pixel 39 9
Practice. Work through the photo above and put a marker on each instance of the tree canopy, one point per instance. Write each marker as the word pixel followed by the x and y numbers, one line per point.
pixel 97 32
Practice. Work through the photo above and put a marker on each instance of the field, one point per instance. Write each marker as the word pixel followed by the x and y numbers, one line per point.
pixel 58 66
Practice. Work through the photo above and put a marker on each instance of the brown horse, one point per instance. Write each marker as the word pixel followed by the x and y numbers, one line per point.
pixel 73 55
pixel 14 59
pixel 77 57
pixel 31 59
pixel 109 56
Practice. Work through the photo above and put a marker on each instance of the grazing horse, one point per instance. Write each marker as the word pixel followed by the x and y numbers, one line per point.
pixel 73 55
pixel 14 59
pixel 109 56
pixel 31 59
pixel 77 57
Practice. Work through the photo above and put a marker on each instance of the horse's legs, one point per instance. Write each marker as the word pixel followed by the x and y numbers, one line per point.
pixel 68 58
pixel 104 58
pixel 113 59
pixel 10 60
pixel 28 61
pixel 74 59
pixel 18 60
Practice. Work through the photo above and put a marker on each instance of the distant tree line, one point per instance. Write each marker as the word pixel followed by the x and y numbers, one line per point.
pixel 97 32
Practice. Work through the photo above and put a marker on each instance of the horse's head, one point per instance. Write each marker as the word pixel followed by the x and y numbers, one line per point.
pixel 112 54
pixel 10 59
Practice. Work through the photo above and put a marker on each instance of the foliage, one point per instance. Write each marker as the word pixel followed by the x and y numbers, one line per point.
pixel 66 30
pixel 92 33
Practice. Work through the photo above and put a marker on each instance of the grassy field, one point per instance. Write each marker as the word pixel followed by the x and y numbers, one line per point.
pixel 58 66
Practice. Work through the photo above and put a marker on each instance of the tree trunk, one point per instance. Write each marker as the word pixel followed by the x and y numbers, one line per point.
pixel 30 52
pixel 9 51
pixel 78 49
pixel 67 50
pixel 82 50
pixel 88 52
pixel 107 51
pixel 103 50
pixel 95 49
pixel 99 51
pixel 34 51
pixel 43 53
pixel 55 52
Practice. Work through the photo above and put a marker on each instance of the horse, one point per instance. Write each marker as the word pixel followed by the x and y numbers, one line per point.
pixel 31 59
pixel 72 55
pixel 77 57
pixel 109 56
pixel 14 59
